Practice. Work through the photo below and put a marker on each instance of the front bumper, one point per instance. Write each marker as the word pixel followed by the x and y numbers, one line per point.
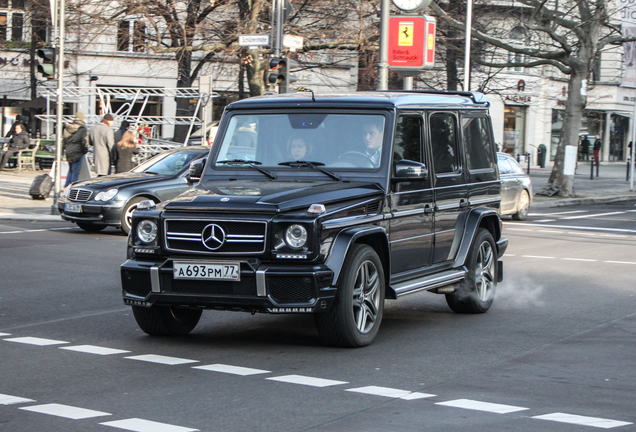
pixel 107 214
pixel 262 288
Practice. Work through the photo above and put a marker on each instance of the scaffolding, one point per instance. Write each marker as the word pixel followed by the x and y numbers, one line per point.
pixel 124 112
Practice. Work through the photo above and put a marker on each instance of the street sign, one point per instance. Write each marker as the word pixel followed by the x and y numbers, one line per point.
pixel 293 42
pixel 411 42
pixel 253 40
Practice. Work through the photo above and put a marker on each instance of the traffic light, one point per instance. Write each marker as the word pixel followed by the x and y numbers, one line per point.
pixel 279 73
pixel 47 66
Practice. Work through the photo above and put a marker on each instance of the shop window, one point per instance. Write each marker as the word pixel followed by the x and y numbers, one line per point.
pixel 17 20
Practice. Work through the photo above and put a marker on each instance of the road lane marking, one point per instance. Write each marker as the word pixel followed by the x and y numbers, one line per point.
pixel 582 420
pixel 535 256
pixel 305 380
pixel 10 400
pixel 579 259
pixel 5 334
pixel 141 425
pixel 612 235
pixel 92 349
pixel 482 406
pixel 620 262
pixel 508 224
pixel 390 392
pixel 35 230
pixel 36 341
pixel 154 358
pixel 66 411
pixel 592 215
pixel 234 370
pixel 558 213
pixel 544 220
pixel 551 231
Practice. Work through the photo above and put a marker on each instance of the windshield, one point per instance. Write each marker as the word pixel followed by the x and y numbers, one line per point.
pixel 167 163
pixel 327 140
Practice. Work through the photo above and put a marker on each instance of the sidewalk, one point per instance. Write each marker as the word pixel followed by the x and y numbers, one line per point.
pixel 610 186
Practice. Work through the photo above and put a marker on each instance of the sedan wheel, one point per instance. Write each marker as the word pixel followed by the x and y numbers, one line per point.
pixel 524 205
pixel 127 211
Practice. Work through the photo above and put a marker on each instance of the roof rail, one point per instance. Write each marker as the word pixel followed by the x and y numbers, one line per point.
pixel 479 98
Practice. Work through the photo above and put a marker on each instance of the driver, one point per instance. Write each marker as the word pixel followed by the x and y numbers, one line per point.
pixel 372 133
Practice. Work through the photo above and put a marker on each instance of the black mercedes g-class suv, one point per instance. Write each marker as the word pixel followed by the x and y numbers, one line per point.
pixel 326 204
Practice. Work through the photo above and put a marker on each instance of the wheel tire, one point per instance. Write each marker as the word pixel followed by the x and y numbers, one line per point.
pixel 126 213
pixel 524 205
pixel 166 321
pixel 356 315
pixel 476 292
pixel 91 228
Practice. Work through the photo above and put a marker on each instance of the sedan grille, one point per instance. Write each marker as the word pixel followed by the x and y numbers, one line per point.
pixel 80 194
pixel 236 237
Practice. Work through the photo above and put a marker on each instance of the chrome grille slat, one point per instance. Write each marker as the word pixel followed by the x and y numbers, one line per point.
pixel 77 194
pixel 242 237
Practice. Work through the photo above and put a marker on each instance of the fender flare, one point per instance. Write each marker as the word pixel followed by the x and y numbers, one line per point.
pixel 475 219
pixel 343 241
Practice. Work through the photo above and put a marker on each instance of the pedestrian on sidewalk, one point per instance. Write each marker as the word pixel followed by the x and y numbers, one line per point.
pixel 597 149
pixel 124 151
pixel 19 141
pixel 18 120
pixel 74 144
pixel 102 139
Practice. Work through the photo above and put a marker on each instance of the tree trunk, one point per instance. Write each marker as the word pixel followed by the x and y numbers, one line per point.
pixel 184 107
pixel 569 133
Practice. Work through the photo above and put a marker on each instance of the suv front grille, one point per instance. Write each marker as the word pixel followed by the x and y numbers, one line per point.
pixel 240 236
pixel 80 194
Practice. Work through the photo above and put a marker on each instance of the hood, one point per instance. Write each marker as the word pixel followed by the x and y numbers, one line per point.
pixel 268 197
pixel 118 180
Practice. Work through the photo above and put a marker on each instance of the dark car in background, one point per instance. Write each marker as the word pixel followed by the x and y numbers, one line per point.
pixel 110 200
pixel 516 188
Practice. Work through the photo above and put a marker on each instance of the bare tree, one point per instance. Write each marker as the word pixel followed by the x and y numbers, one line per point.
pixel 567 36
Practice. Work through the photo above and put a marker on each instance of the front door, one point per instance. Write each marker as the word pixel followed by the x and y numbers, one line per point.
pixel 411 224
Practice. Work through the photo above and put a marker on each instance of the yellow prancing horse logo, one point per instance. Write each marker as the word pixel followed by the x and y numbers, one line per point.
pixel 406 34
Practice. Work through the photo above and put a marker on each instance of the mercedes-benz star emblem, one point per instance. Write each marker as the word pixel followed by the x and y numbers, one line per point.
pixel 213 237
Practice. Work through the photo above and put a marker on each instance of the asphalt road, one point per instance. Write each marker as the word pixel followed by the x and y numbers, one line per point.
pixel 555 352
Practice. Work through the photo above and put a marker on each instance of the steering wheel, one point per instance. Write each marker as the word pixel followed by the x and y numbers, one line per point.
pixel 353 156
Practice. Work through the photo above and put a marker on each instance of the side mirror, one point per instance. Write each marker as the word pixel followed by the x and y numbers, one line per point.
pixel 410 170
pixel 196 171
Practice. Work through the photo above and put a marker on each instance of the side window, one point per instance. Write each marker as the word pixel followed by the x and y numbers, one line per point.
pixel 444 143
pixel 504 166
pixel 408 139
pixel 479 153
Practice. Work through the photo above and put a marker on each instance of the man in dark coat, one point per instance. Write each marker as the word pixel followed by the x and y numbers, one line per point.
pixel 19 141
pixel 74 143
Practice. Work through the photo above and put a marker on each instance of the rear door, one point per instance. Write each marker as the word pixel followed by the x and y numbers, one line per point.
pixel 450 185
pixel 483 183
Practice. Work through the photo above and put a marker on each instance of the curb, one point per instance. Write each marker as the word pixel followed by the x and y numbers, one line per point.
pixel 566 202
pixel 32 217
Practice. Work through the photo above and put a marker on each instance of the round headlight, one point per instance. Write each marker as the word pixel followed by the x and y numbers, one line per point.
pixel 67 191
pixel 147 231
pixel 296 236
pixel 106 195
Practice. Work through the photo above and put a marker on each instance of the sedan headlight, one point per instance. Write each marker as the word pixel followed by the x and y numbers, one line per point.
pixel 296 236
pixel 67 191
pixel 147 231
pixel 106 195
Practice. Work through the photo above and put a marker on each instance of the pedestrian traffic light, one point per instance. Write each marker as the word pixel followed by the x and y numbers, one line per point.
pixel 47 65
pixel 284 68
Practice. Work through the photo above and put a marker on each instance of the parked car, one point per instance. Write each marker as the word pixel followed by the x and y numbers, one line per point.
pixel 516 188
pixel 110 200
pixel 326 205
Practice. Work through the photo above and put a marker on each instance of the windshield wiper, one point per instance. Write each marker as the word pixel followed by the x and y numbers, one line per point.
pixel 251 163
pixel 314 165
pixel 151 172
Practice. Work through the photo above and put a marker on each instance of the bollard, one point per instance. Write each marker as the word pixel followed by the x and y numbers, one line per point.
pixel 627 174
pixel 592 169
pixel 528 159
pixel 598 164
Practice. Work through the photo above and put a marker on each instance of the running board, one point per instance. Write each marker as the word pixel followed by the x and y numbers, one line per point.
pixel 429 282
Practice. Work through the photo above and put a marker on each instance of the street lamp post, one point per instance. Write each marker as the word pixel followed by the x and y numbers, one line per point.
pixel 469 23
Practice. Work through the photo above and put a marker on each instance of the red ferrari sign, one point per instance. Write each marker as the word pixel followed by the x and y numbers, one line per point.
pixel 411 42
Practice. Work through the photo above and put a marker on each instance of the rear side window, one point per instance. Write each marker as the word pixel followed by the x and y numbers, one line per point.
pixel 408 139
pixel 479 152
pixel 444 143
